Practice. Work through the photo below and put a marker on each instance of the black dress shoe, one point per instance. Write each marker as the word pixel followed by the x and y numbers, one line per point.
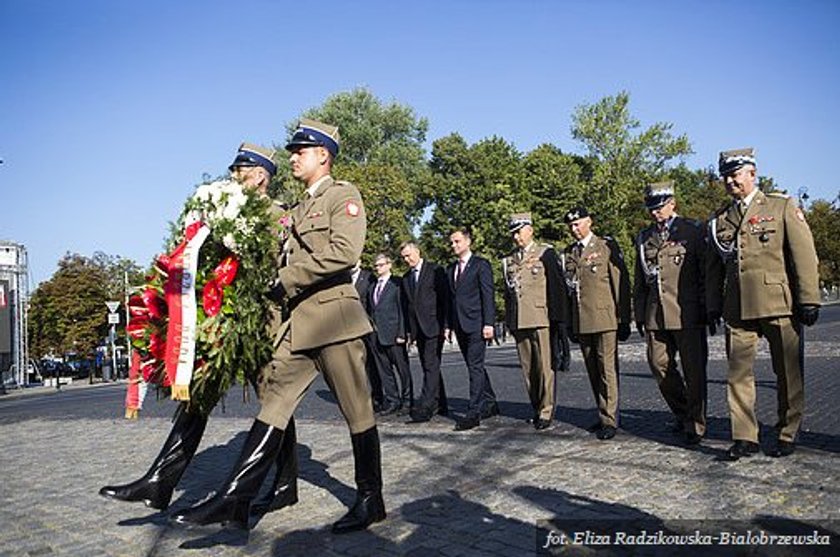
pixel 783 448
pixel 606 432
pixel 692 438
pixel 540 424
pixel 742 449
pixel 490 410
pixel 389 409
pixel 676 427
pixel 467 422
pixel 419 417
pixel 595 427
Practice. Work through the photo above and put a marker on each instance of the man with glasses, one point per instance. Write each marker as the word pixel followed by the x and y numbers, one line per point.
pixel 670 307
pixel 763 280
pixel 386 309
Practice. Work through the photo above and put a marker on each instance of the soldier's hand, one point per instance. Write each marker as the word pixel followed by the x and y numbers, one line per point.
pixel 712 328
pixel 808 315
pixel 623 331
pixel 641 328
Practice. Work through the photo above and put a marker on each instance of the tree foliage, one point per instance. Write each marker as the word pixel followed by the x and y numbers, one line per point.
pixel 67 313
pixel 824 219
pixel 625 159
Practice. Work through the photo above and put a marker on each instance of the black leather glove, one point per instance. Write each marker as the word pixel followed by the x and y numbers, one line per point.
pixel 712 328
pixel 277 293
pixel 641 328
pixel 572 336
pixel 623 331
pixel 808 315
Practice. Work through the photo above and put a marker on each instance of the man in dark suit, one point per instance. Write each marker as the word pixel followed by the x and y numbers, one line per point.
pixel 425 295
pixel 362 280
pixel 472 313
pixel 386 310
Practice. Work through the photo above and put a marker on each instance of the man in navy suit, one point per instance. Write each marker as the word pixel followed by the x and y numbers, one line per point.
pixel 386 310
pixel 472 314
pixel 425 295
pixel 362 280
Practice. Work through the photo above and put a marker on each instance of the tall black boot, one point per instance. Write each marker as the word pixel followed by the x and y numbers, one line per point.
pixel 369 506
pixel 283 492
pixel 156 486
pixel 232 503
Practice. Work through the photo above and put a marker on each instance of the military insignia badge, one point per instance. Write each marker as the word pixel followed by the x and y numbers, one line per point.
pixel 352 208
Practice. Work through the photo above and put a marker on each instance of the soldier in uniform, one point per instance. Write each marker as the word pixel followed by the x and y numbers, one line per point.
pixel 763 280
pixel 670 307
pixel 252 167
pixel 534 297
pixel 598 314
pixel 322 332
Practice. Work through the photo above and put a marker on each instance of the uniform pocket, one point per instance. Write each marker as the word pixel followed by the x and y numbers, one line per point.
pixel 779 283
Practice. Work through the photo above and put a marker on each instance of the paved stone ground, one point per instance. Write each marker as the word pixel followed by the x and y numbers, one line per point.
pixel 475 493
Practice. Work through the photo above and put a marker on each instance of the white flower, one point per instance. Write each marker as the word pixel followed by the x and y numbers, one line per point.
pixel 203 192
pixel 230 242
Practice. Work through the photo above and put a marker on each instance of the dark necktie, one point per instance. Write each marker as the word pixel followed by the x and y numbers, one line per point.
pixel 378 291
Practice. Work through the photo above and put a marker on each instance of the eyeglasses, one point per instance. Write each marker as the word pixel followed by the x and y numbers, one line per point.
pixel 381 264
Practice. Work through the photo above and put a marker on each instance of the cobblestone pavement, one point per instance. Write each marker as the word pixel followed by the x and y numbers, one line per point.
pixel 474 493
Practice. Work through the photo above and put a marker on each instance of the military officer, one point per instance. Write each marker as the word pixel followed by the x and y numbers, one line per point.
pixel 670 307
pixel 322 332
pixel 534 296
pixel 762 278
pixel 598 314
pixel 253 167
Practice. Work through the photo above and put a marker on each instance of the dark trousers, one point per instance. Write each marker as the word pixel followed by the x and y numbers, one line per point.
pixel 372 370
pixel 433 394
pixel 387 359
pixel 473 348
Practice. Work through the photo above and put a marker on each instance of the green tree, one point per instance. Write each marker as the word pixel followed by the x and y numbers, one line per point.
pixel 553 182
pixel 824 219
pixel 476 186
pixel 624 158
pixel 67 313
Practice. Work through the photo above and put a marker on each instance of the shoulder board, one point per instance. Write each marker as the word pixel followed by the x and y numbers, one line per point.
pixel 609 239
pixel 720 210
pixel 546 246
pixel 342 183
pixel 693 222
pixel 777 196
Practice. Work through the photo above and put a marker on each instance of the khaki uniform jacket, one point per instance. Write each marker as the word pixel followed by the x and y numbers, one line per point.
pixel 533 287
pixel 762 265
pixel 669 284
pixel 599 286
pixel 326 239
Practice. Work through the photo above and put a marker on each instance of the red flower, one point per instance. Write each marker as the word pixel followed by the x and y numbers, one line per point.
pixel 157 346
pixel 212 297
pixel 154 303
pixel 226 270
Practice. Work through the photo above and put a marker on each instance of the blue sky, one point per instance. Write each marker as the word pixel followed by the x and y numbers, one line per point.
pixel 111 111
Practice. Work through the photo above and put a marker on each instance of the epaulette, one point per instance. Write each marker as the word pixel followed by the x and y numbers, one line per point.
pixel 342 183
pixel 720 210
pixel 777 194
